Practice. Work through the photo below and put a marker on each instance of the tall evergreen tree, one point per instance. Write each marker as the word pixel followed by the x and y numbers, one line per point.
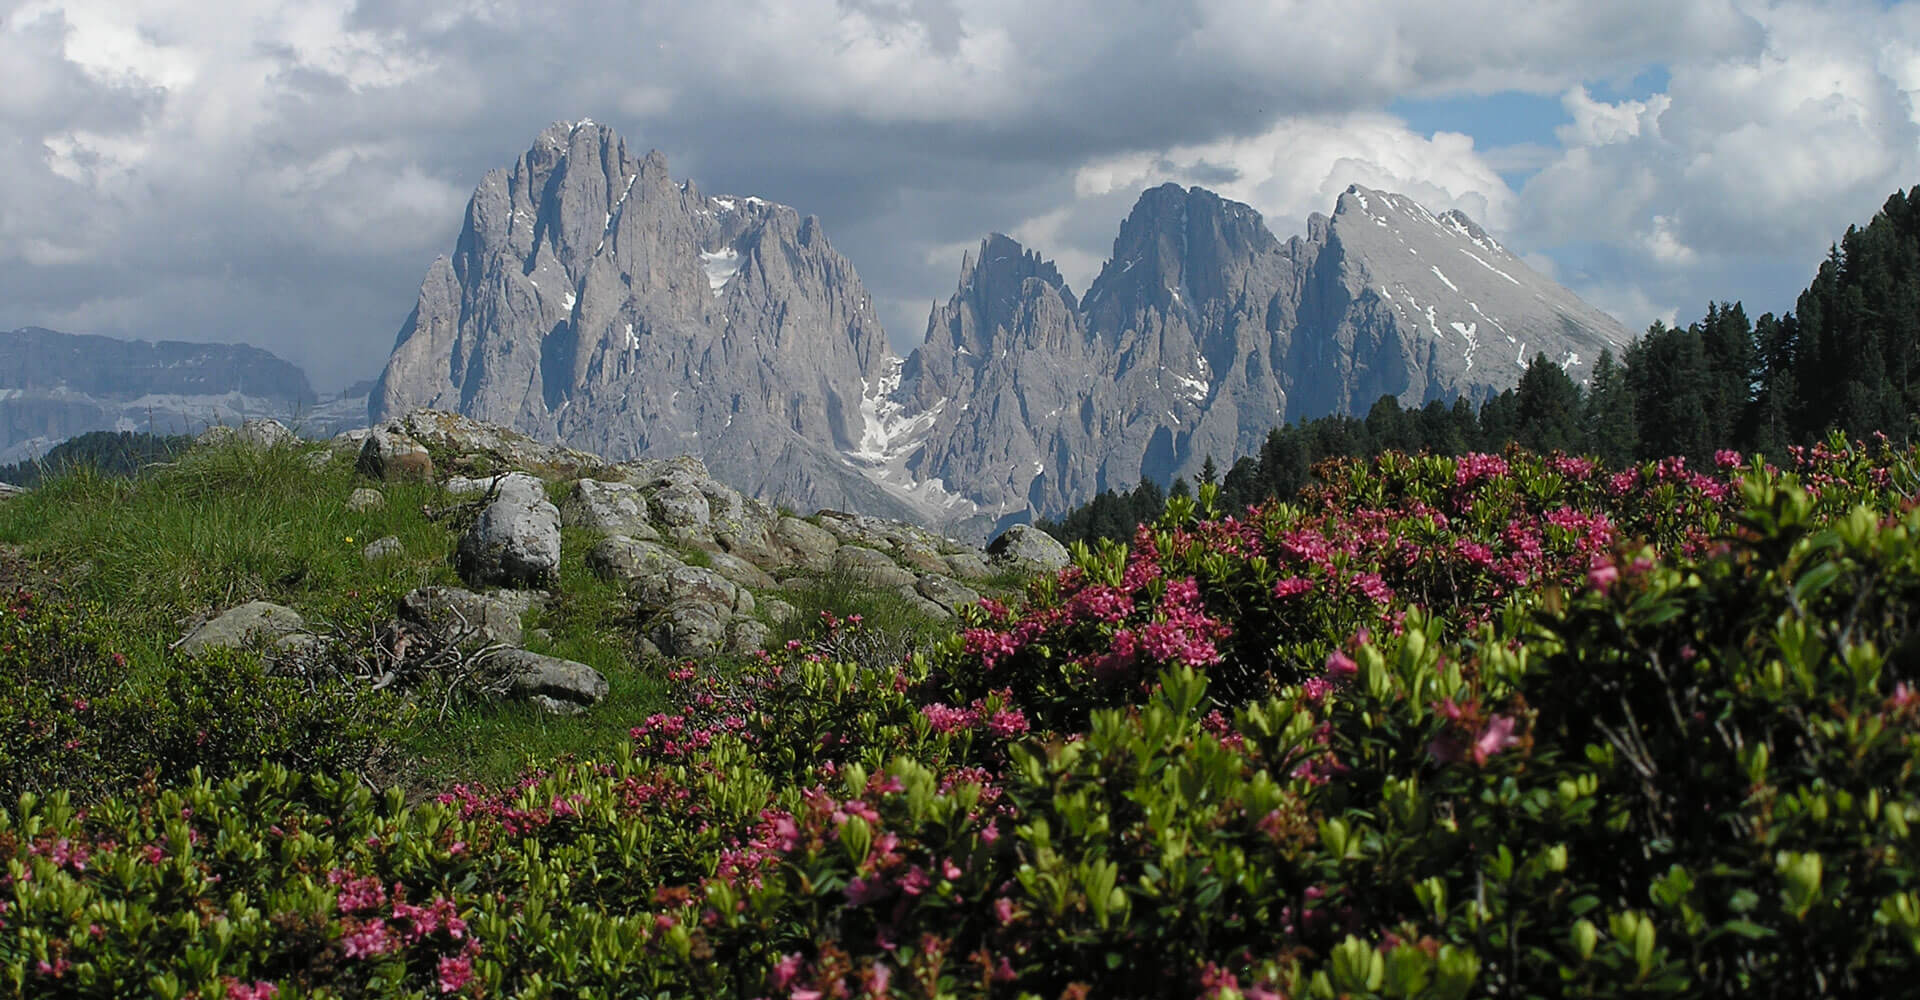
pixel 1611 432
pixel 1547 408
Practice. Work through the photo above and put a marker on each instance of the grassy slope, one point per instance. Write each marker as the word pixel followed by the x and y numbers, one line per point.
pixel 153 556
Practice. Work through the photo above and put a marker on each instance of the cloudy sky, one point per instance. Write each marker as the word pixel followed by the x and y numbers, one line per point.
pixel 282 173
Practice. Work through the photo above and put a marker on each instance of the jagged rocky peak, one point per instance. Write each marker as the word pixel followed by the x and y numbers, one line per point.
pixel 1430 306
pixel 595 301
pixel 1179 245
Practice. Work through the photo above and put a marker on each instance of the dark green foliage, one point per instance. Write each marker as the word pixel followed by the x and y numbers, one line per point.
pixel 1547 409
pixel 77 714
pixel 110 453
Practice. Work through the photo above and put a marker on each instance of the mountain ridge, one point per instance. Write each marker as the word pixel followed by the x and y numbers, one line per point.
pixel 591 299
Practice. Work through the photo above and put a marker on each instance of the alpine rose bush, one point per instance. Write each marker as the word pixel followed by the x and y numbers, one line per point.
pixel 1505 726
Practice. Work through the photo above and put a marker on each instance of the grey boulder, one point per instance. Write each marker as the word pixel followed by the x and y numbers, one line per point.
pixel 560 686
pixel 258 434
pixel 390 453
pixel 948 594
pixel 1027 549
pixel 516 541
pixel 254 621
pixel 870 567
pixel 809 546
pixel 607 509
pixel 619 557
pixel 485 618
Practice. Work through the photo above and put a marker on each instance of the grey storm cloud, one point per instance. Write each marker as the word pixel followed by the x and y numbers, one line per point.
pixel 284 177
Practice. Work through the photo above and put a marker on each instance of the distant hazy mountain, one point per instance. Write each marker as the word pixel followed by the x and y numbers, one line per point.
pixel 593 300
pixel 54 386
pixel 1203 332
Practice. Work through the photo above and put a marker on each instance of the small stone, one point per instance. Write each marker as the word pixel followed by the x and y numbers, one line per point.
pixel 778 611
pixel 365 499
pixel 382 548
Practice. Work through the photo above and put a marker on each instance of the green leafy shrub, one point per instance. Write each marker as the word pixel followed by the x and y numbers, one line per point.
pixel 77 714
pixel 1679 762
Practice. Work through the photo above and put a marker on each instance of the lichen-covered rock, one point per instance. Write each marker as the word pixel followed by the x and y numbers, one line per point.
pixel 365 499
pixel 778 611
pixel 949 594
pixel 967 566
pixel 692 628
pixel 745 635
pixel 692 584
pixel 922 605
pixel 481 446
pixel 557 685
pixel 808 545
pixel 921 557
pixel 260 434
pixel 254 621
pixel 390 454
pixel 1026 548
pixel 870 567
pixel 739 570
pixel 516 540
pixel 677 504
pixel 384 547
pixel 454 612
pixel 619 557
pixel 607 508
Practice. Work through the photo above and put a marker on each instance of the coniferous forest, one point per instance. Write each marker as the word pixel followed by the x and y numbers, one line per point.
pixel 1846 359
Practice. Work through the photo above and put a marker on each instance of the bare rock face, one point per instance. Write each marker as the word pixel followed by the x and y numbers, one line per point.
pixel 1201 334
pixel 591 300
pixel 594 301
pixel 1028 549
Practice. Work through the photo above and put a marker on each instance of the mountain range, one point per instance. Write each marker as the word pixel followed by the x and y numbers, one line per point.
pixel 54 386
pixel 593 300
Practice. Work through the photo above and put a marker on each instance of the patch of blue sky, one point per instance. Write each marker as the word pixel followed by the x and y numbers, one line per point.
pixel 1514 130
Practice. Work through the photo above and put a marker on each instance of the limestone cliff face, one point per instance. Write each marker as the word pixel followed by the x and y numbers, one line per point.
pixel 1204 331
pixel 592 300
